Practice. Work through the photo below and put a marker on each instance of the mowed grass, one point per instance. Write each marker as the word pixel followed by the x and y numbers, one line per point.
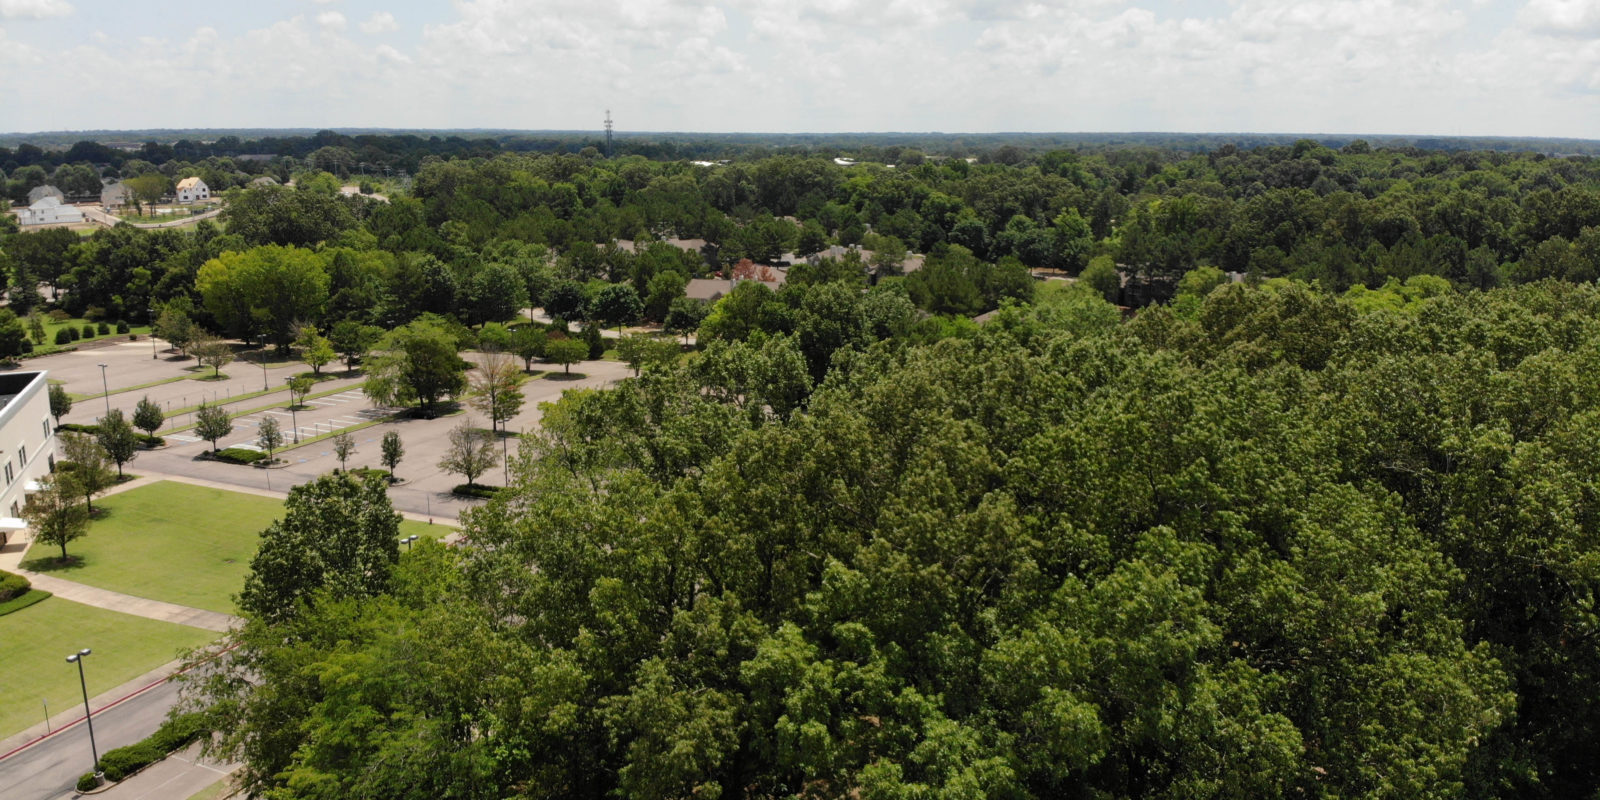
pixel 35 642
pixel 179 543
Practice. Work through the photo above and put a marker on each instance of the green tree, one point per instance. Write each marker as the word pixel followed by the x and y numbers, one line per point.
pixel 212 423
pixel 269 437
pixel 417 362
pixel 264 291
pixel 175 326
pixel 528 343
pixel 60 402
pixel 343 447
pixel 1101 275
pixel 470 452
pixel 299 387
pixel 566 352
pixel 617 304
pixel 315 349
pixel 117 438
pixel 148 416
pixel 211 351
pixel 684 316
pixel 13 335
pixel 494 388
pixel 36 330
pixel 353 340
pixel 91 472
pixel 391 451
pixel 53 513
pixel 337 535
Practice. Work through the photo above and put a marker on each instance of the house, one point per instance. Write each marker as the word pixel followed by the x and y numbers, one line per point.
pixel 708 289
pixel 27 443
pixel 264 180
pixel 114 195
pixel 38 193
pixel 48 211
pixel 193 190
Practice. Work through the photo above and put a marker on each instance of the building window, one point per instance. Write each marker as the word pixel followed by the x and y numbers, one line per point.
pixel 8 473
pixel 47 427
pixel 22 456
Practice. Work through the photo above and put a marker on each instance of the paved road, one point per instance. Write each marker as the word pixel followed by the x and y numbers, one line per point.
pixel 50 769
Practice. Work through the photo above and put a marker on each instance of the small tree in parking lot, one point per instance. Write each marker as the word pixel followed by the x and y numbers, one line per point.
pixel 147 416
pixel 117 438
pixel 269 437
pixel 470 453
pixel 392 451
pixel 212 423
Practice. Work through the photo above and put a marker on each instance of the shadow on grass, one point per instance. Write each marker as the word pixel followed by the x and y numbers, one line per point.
pixel 564 376
pixel 49 564
pixel 221 376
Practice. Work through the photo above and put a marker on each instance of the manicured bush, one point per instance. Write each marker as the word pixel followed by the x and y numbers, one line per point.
pixel 122 327
pixel 239 455
pixel 474 490
pixel 59 316
pixel 102 329
pixel 88 331
pixel 173 734
pixel 178 732
pixel 363 473
pixel 63 336
pixel 12 585
pixel 143 438
pixel 88 782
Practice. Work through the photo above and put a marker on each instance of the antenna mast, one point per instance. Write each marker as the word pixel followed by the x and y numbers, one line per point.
pixel 609 150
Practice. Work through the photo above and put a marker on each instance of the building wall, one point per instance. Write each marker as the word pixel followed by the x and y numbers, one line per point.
pixel 27 437
pixel 49 215
pixel 194 194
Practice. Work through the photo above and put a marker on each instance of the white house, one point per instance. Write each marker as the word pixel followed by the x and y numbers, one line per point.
pixel 48 211
pixel 193 190
pixel 38 193
pixel 27 443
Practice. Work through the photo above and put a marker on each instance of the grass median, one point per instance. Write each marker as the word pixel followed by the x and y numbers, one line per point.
pixel 176 542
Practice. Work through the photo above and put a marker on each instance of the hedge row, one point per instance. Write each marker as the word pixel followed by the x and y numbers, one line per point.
pixel 475 490
pixel 173 734
pixel 239 455
pixel 12 585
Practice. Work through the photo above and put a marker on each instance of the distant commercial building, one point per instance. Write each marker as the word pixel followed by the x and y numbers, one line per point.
pixel 193 190
pixel 27 443
pixel 48 211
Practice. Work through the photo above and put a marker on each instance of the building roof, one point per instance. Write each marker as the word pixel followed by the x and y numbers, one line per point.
pixel 190 183
pixel 46 202
pixel 264 180
pixel 708 288
pixel 38 193
pixel 114 191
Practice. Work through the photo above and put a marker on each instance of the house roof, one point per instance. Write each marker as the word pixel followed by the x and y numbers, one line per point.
pixel 708 288
pixel 190 183
pixel 48 201
pixel 39 192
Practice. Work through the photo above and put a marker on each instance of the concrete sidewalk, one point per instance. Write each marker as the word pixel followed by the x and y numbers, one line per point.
pixel 174 778
pixel 128 604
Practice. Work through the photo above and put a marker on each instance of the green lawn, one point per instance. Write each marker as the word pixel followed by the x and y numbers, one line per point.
pixel 183 544
pixel 39 638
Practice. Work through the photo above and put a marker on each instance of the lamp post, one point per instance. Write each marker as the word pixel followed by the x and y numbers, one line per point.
pixel 104 384
pixel 408 540
pixel 152 316
pixel 264 385
pixel 293 418
pixel 88 715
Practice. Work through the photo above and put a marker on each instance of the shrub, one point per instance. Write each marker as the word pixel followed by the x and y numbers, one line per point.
pixel 88 331
pixel 124 761
pixel 93 313
pixel 59 316
pixel 362 473
pixel 73 332
pixel 474 490
pixel 63 336
pixel 144 438
pixel 239 455
pixel 122 327
pixel 12 585
pixel 102 329
pixel 88 782
pixel 177 732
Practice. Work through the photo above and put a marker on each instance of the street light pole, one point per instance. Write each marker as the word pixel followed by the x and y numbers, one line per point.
pixel 106 385
pixel 152 316
pixel 264 386
pixel 294 419
pixel 88 715
pixel 408 540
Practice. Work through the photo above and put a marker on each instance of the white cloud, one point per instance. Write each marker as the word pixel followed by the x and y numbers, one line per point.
pixel 380 22
pixel 34 9
pixel 1563 17
pixel 1338 66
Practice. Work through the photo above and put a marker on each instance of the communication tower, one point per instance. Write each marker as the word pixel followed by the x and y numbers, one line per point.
pixel 609 151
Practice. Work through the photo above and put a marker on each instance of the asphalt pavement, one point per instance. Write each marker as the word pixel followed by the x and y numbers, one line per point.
pixel 50 769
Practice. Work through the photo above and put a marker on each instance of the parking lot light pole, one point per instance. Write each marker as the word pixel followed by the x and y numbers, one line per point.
pixel 152 316
pixel 106 385
pixel 408 540
pixel 264 386
pixel 88 715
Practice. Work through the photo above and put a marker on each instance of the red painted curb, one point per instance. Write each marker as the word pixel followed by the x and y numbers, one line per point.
pixel 101 710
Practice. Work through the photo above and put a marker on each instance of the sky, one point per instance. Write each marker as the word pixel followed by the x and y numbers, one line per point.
pixel 1405 67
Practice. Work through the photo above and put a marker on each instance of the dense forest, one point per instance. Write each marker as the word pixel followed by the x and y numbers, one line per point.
pixel 1313 513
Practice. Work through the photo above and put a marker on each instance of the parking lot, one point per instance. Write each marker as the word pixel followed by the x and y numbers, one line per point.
pixel 424 488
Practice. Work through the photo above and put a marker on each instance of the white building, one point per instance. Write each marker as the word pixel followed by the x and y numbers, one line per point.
pixel 48 211
pixel 193 190
pixel 27 443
